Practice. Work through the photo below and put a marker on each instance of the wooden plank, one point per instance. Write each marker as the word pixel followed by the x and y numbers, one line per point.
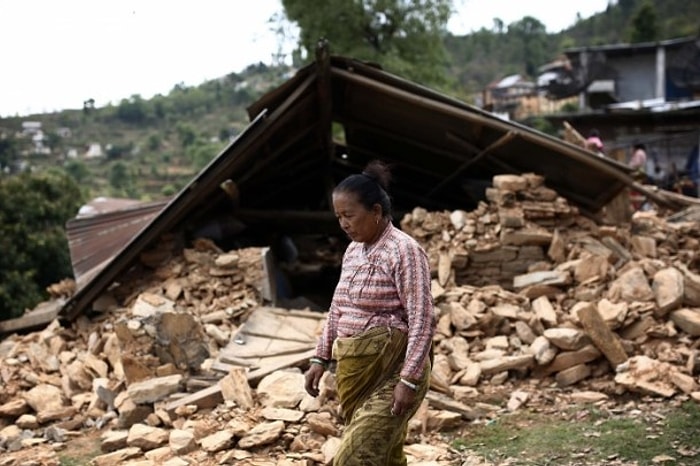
pixel 260 347
pixel 299 313
pixel 38 318
pixel 276 363
pixel 265 366
pixel 209 397
pixel 440 401
pixel 263 322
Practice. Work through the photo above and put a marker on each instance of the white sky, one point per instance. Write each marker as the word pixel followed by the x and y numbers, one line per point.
pixel 57 53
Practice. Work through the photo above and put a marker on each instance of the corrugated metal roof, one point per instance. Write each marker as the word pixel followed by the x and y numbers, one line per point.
pixel 102 228
pixel 328 121
pixel 627 48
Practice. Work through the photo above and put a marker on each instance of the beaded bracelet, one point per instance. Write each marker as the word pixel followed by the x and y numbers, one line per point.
pixel 319 361
pixel 409 384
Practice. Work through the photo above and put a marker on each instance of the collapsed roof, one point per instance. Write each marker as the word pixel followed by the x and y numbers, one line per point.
pixel 325 123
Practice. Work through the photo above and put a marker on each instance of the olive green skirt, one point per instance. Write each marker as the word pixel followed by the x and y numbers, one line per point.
pixel 368 367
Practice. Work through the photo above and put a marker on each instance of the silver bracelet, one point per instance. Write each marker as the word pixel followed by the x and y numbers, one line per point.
pixel 319 361
pixel 410 385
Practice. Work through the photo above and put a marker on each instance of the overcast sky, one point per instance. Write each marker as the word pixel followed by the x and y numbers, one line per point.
pixel 58 53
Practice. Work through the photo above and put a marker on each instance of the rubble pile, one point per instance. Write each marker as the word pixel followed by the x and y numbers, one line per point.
pixel 579 300
pixel 536 305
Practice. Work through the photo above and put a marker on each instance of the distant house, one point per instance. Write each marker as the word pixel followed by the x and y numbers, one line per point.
pixel 646 92
pixel 38 144
pixel 30 127
pixel 504 97
pixel 643 74
pixel 94 151
pixel 516 98
pixel 64 132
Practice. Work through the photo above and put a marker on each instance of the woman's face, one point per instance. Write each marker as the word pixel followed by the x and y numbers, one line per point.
pixel 359 223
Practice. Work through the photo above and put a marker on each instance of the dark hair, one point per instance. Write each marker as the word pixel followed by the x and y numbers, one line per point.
pixel 639 145
pixel 594 133
pixel 371 186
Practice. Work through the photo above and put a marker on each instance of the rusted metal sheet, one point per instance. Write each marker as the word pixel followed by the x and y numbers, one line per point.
pixel 102 228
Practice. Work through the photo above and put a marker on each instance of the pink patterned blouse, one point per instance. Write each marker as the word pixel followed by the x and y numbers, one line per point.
pixel 384 284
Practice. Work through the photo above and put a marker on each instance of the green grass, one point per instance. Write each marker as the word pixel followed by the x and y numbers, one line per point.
pixel 589 436
pixel 81 450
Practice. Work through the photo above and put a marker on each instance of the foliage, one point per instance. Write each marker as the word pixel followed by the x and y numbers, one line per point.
pixel 9 153
pixel 405 36
pixel 531 38
pixel 644 27
pixel 528 438
pixel 33 211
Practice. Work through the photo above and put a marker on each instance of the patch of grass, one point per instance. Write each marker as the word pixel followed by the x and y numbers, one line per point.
pixel 81 450
pixel 589 436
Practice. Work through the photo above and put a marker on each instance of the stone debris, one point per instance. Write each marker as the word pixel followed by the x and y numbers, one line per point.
pixel 535 304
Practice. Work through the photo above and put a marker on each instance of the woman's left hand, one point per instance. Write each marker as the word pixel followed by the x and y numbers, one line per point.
pixel 404 397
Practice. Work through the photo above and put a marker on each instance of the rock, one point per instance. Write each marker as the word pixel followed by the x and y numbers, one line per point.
pixel 567 338
pixel 181 442
pixel 117 457
pixel 217 442
pixel 282 414
pixel 506 363
pixel 516 400
pixel 572 375
pixel 323 424
pixel 149 304
pixel 668 290
pixel 262 434
pixel 552 277
pixel 588 396
pixel 631 286
pixel 687 320
pixel 544 311
pixel 113 440
pixel 646 375
pixel 147 437
pixel 235 387
pixel 14 408
pixel 281 389
pixel 543 351
pixel 157 388
pixel 45 397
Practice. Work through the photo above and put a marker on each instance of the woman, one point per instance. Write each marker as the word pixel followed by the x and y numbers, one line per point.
pixel 380 325
pixel 638 160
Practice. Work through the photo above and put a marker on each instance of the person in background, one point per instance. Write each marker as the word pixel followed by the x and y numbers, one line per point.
pixel 379 328
pixel 692 168
pixel 660 177
pixel 594 143
pixel 638 159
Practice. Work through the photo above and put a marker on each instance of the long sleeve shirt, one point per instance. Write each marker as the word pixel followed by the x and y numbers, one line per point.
pixel 386 283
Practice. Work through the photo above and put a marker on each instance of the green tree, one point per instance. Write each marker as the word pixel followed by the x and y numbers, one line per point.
pixel 644 24
pixel 133 110
pixel 34 209
pixel 531 38
pixel 201 152
pixel 120 177
pixel 9 153
pixel 405 36
pixel 186 134
pixel 77 170
pixel 153 142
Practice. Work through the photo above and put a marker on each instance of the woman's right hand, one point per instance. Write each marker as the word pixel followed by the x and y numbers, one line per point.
pixel 313 379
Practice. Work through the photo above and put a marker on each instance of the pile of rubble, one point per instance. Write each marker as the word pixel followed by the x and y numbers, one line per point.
pixel 534 301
